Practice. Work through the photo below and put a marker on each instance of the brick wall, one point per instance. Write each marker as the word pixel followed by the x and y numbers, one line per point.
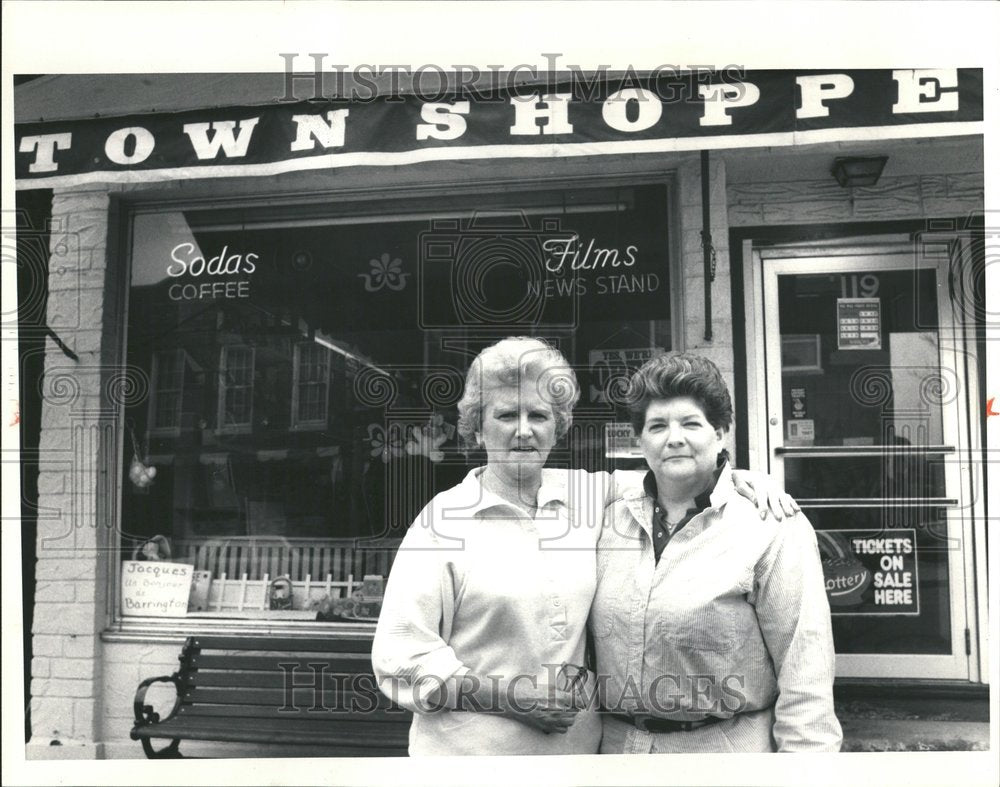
pixel 692 266
pixel 74 528
pixel 824 201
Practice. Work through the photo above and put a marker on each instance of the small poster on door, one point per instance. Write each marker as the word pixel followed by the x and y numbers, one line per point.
pixel 798 396
pixel 870 573
pixel 802 431
pixel 859 324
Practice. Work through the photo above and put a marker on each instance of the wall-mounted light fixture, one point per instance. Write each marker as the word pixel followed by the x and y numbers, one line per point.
pixel 858 171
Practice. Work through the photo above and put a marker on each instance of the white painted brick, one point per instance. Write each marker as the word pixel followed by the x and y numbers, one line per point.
pixel 119 653
pixel 56 540
pixel 67 281
pixel 61 687
pixel 95 259
pixel 55 548
pixel 119 683
pixel 51 717
pixel 63 314
pixel 118 727
pixel 88 341
pixel 91 303
pixel 55 438
pixel 41 667
pixel 719 351
pixel 52 483
pixel 694 267
pixel 75 669
pixel 689 176
pixel 79 645
pixel 83 720
pixel 65 567
pixel 47 645
pixel 54 591
pixel 64 619
pixel 953 206
pixel 694 303
pixel 803 202
pixel 55 535
pixel 86 593
pixel 79 200
pixel 85 224
pixel 88 537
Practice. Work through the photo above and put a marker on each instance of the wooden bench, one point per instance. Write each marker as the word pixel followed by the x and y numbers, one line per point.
pixel 307 692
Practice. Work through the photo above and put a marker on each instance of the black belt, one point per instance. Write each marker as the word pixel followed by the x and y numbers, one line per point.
pixel 653 724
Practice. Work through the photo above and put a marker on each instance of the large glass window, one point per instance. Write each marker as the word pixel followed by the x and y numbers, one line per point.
pixel 305 363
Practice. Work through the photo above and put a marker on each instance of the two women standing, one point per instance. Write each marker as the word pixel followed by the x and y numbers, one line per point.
pixel 483 626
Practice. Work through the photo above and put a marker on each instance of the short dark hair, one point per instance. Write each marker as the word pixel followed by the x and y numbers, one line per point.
pixel 680 374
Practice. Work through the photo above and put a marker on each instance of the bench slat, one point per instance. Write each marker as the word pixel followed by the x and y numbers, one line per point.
pixel 393 736
pixel 259 680
pixel 284 644
pixel 275 698
pixel 274 663
pixel 301 711
pixel 340 726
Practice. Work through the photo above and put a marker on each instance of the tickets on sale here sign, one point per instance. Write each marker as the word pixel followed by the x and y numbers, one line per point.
pixel 870 573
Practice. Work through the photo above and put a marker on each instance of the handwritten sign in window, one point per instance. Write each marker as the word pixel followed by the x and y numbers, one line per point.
pixel 155 589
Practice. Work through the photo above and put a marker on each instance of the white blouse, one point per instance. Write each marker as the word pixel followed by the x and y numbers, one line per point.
pixel 479 586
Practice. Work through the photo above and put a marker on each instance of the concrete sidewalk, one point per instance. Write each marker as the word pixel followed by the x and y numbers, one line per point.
pixel 914 724
pixel 910 735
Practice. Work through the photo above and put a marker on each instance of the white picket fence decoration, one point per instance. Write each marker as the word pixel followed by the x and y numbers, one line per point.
pixel 243 594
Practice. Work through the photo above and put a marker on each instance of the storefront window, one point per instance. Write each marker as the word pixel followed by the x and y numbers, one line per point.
pixel 305 364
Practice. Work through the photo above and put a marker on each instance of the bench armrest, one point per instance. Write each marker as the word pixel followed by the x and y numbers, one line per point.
pixel 144 714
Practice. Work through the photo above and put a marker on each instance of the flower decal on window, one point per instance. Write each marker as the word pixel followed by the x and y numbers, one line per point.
pixel 385 271
pixel 385 444
pixel 428 438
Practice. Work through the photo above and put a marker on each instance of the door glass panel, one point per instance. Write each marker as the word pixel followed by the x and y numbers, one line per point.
pixel 859 356
pixel 861 378
pixel 890 475
pixel 886 573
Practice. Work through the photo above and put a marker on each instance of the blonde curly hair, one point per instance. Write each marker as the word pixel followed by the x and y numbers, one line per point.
pixel 509 362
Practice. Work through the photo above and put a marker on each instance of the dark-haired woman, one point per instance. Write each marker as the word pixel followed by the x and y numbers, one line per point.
pixel 711 625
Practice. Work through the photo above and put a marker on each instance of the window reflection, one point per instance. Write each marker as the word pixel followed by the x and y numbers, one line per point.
pixel 305 369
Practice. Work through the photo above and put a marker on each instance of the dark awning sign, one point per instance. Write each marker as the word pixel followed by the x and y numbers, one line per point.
pixel 636 115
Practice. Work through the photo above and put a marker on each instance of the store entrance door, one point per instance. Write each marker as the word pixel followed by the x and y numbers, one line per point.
pixel 864 416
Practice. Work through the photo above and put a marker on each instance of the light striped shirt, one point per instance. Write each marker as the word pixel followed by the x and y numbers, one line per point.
pixel 732 621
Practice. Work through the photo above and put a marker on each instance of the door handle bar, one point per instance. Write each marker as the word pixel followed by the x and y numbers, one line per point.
pixel 851 451
pixel 876 502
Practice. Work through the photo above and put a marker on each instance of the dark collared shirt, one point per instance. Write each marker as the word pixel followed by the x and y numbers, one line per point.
pixel 663 529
